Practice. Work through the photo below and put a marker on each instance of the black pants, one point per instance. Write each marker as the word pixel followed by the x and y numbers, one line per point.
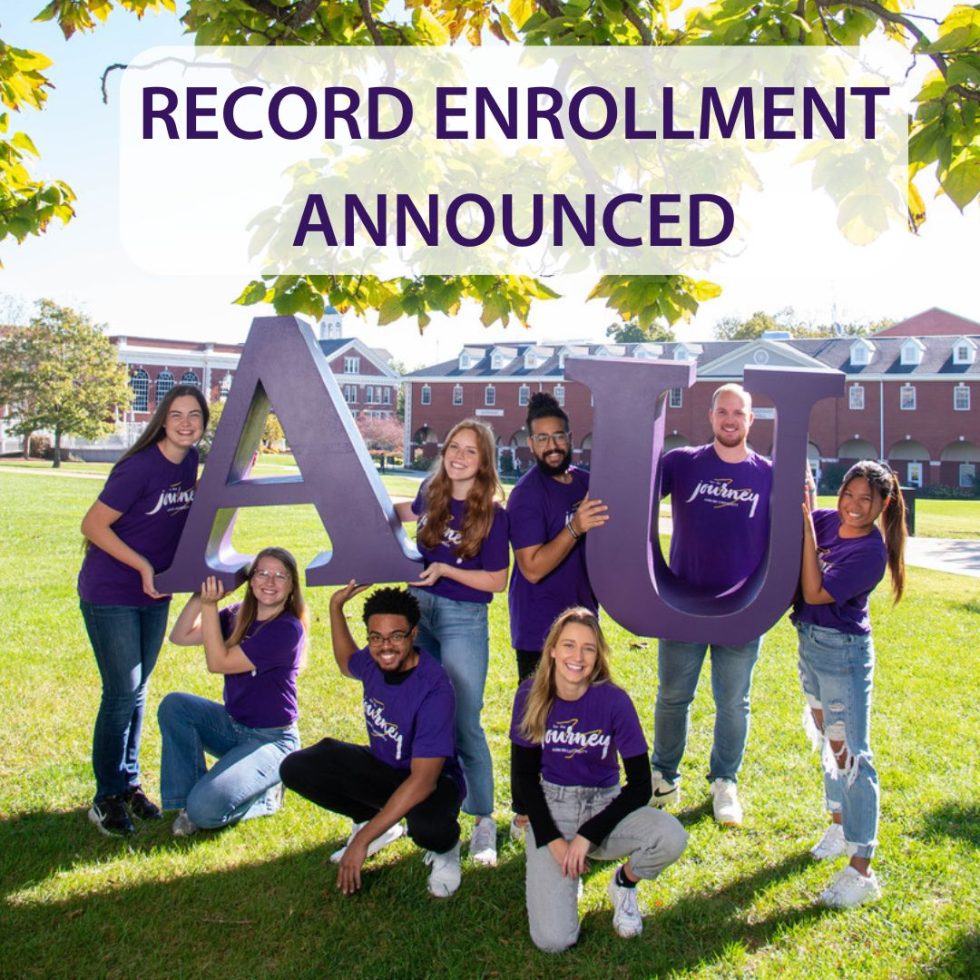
pixel 348 779
pixel 527 664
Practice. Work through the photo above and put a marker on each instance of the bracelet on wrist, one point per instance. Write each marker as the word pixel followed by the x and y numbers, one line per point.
pixel 571 530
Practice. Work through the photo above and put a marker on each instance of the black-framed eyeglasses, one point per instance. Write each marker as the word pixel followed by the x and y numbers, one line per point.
pixel 395 639
pixel 558 438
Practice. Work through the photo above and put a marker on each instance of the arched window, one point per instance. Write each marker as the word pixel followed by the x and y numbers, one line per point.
pixel 190 378
pixel 140 383
pixel 165 381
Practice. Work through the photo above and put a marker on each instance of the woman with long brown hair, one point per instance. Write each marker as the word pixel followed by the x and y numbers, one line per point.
pixel 845 555
pixel 463 538
pixel 132 532
pixel 259 646
pixel 570 726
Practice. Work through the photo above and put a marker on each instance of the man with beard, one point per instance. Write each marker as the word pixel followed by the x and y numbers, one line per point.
pixel 550 513
pixel 719 496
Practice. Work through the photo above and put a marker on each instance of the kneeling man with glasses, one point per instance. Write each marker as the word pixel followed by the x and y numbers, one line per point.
pixel 409 770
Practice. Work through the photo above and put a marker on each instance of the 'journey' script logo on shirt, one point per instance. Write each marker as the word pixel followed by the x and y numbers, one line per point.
pixel 374 712
pixel 450 538
pixel 173 499
pixel 722 494
pixel 563 733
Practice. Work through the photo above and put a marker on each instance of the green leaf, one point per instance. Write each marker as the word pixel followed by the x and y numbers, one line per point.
pixel 962 182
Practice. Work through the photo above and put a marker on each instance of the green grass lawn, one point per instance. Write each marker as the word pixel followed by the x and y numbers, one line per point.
pixel 260 898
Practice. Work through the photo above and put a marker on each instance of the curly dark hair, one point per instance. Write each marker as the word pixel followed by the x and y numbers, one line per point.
pixel 393 602
pixel 545 406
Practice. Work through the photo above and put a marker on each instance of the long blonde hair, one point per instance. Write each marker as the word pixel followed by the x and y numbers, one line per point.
pixel 295 604
pixel 480 501
pixel 543 690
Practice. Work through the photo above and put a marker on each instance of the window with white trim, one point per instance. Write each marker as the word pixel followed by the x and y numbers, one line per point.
pixel 190 378
pixel 560 395
pixel 350 394
pixel 457 395
pixel 676 398
pixel 352 365
pixel 860 354
pixel 906 398
pixel 425 398
pixel 369 395
pixel 490 396
pixel 140 383
pixel 961 398
pixel 523 395
pixel 386 396
pixel 165 381
pixel 855 398
pixel 968 473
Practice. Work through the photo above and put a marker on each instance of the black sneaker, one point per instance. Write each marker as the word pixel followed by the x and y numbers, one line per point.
pixel 111 817
pixel 140 805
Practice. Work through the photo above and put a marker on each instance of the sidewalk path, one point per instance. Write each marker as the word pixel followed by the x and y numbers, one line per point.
pixel 959 556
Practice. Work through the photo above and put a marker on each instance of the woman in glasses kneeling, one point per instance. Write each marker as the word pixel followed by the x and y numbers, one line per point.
pixel 569 724
pixel 259 645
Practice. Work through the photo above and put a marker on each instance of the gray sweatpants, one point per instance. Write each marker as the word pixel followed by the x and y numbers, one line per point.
pixel 651 839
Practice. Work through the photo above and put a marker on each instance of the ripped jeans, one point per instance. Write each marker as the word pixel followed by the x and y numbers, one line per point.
pixel 836 671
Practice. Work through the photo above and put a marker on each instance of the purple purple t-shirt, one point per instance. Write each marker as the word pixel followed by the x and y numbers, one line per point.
pixel 265 697
pixel 154 496
pixel 493 555
pixel 539 508
pixel 851 567
pixel 414 718
pixel 582 737
pixel 721 515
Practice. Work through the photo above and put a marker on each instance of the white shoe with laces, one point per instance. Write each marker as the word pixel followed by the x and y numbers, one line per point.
pixel 183 826
pixel 728 811
pixel 389 836
pixel 483 843
pixel 445 876
pixel 849 888
pixel 627 920
pixel 665 791
pixel 831 845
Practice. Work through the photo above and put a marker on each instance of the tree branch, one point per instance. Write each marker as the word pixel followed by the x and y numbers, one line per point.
pixel 551 8
pixel 369 22
pixel 634 18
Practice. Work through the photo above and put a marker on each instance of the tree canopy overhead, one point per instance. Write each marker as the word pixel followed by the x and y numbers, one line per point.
pixel 944 129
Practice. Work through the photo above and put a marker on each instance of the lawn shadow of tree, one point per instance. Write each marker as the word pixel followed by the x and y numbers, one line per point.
pixel 958 820
pixel 962 959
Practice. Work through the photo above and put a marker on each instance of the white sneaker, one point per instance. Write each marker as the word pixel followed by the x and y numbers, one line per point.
pixel 728 811
pixel 849 888
pixel 665 792
pixel 390 835
pixel 445 876
pixel 183 826
pixel 517 828
pixel 831 845
pixel 627 920
pixel 483 843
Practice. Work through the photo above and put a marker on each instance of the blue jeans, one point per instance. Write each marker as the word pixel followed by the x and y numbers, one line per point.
pixel 242 784
pixel 457 635
pixel 837 671
pixel 731 681
pixel 126 641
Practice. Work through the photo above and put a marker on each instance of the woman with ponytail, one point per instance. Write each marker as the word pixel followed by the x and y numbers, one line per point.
pixel 259 646
pixel 845 554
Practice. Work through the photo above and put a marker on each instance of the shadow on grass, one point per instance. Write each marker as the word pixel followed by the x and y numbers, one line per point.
pixel 962 960
pixel 179 915
pixel 959 820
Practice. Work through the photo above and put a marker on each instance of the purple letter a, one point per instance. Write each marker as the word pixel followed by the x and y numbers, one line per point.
pixel 626 566
pixel 282 364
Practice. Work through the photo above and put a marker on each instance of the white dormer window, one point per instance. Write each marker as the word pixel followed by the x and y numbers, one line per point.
pixel 912 352
pixel 681 353
pixel 861 351
pixel 964 351
pixel 496 361
pixel 530 360
pixel 464 361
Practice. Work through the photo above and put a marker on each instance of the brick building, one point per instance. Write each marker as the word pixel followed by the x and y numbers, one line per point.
pixel 368 382
pixel 908 399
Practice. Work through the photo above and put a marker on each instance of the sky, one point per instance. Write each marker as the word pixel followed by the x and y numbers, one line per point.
pixel 85 266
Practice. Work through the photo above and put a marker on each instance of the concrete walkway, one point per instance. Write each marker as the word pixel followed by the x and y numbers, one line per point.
pixel 958 556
